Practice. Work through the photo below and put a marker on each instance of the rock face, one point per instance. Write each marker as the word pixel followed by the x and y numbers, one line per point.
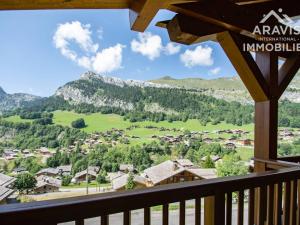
pixel 11 101
pixel 97 90
pixel 121 83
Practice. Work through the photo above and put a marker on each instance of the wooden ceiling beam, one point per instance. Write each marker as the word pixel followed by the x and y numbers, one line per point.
pixel 287 72
pixel 186 30
pixel 63 4
pixel 245 66
pixel 230 16
pixel 142 12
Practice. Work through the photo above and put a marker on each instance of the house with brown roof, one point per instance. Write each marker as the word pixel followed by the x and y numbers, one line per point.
pixel 47 184
pixel 50 172
pixel 174 172
pixel 5 191
pixel 119 184
pixel 81 176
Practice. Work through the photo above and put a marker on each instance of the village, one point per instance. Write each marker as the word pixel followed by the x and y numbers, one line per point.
pixel 49 180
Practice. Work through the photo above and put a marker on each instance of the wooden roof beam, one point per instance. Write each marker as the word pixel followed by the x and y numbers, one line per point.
pixel 63 4
pixel 230 16
pixel 245 65
pixel 287 72
pixel 186 30
pixel 142 12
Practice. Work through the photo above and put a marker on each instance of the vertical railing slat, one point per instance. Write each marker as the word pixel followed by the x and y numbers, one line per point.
pixel 294 203
pixel 271 204
pixel 127 218
pixel 165 214
pixel 147 216
pixel 229 208
pixel 241 208
pixel 198 211
pixel 298 197
pixel 287 205
pixel 262 205
pixel 182 213
pixel 104 220
pixel 251 206
pixel 279 204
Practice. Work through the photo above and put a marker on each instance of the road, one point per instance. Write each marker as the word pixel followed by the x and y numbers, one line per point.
pixel 156 218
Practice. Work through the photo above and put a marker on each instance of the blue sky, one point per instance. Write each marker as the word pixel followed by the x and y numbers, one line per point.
pixel 42 50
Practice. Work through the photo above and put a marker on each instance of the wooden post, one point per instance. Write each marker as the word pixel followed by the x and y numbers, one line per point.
pixel 209 209
pixel 266 112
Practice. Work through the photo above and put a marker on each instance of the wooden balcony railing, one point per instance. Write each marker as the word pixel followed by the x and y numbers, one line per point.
pixel 271 197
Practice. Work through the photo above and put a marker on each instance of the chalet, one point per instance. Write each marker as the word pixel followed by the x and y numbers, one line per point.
pixel 246 142
pixel 238 132
pixel 65 170
pixel 45 151
pixel 4 194
pixel 19 170
pixel 173 172
pixel 9 155
pixel 233 138
pixel 6 181
pixel 119 184
pixel 81 176
pixel 47 184
pixel 207 140
pixel 50 172
pixel 230 146
pixel 126 168
pixel 113 175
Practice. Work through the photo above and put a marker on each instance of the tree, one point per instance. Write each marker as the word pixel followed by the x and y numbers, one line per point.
pixel 101 178
pixel 130 182
pixel 79 123
pixel 66 180
pixel 231 166
pixel 25 182
pixel 208 162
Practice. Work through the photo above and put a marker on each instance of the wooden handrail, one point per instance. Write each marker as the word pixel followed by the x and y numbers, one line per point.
pixel 294 159
pixel 277 164
pixel 79 208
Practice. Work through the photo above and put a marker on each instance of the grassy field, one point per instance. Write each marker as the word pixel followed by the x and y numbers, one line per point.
pixel 102 122
pixel 97 122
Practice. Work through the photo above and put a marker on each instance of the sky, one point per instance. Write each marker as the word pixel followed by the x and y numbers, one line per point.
pixel 42 50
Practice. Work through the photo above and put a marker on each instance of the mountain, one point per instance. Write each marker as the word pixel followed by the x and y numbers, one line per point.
pixel 140 100
pixel 11 101
pixel 228 88
pixel 101 91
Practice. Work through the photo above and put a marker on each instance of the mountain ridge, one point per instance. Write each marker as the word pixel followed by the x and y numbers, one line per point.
pixel 11 101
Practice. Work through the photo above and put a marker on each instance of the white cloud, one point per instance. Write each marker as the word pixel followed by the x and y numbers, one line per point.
pixel 151 46
pixel 200 56
pixel 148 45
pixel 100 61
pixel 109 59
pixel 77 32
pixel 215 71
pixel 171 49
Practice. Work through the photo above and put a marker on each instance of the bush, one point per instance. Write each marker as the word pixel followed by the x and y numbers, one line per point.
pixel 25 182
pixel 66 180
pixel 80 123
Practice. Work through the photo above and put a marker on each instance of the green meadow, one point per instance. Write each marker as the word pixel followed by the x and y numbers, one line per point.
pixel 97 122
